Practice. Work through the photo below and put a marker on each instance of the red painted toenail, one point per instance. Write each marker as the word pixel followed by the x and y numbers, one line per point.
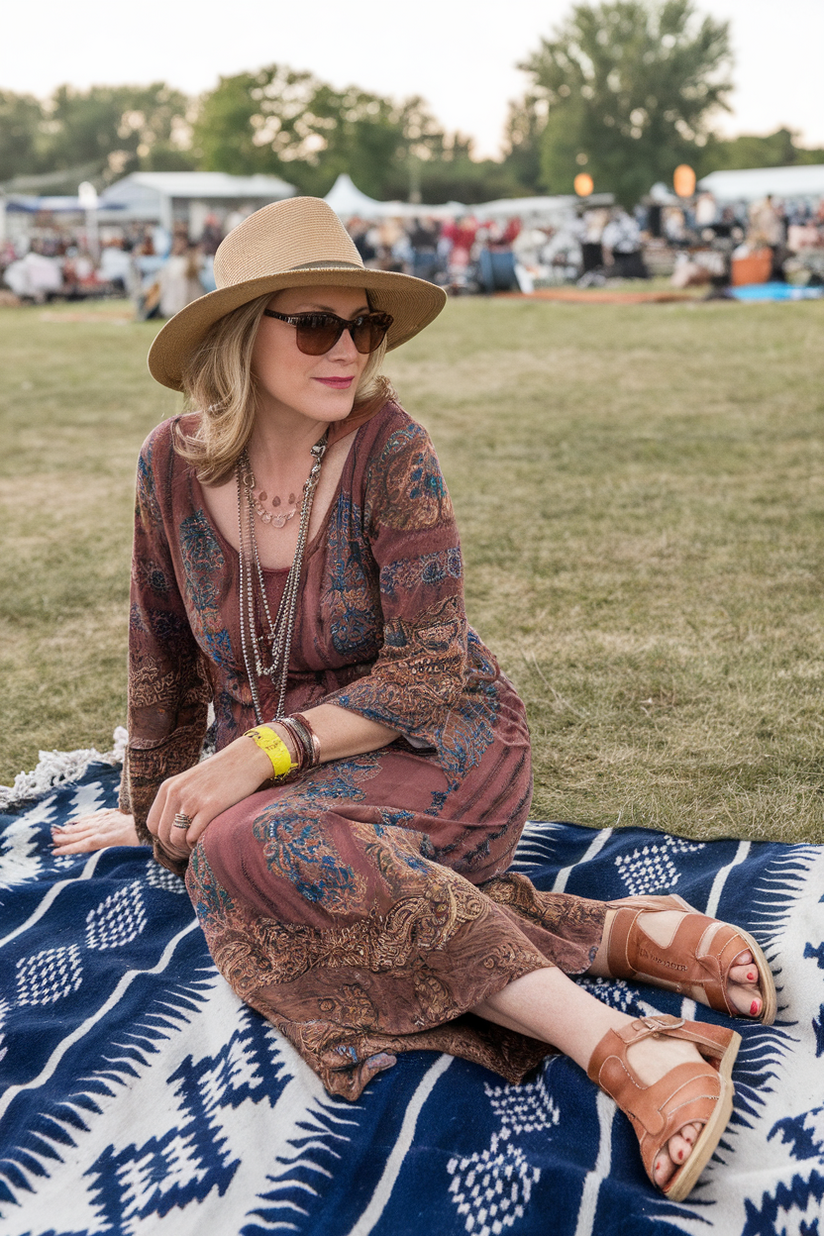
pixel 753 1008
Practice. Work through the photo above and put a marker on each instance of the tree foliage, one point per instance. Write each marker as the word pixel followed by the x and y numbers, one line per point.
pixel 523 133
pixel 293 125
pixel 630 89
pixel 776 149
pixel 123 128
pixel 106 130
pixel 21 116
pixel 625 89
pixel 456 177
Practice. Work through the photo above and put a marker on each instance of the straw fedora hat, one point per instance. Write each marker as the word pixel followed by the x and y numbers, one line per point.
pixel 299 241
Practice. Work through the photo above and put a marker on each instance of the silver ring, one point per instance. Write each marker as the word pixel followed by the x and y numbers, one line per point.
pixel 182 820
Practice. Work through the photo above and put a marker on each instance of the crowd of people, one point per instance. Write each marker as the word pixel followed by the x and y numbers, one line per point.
pixel 162 271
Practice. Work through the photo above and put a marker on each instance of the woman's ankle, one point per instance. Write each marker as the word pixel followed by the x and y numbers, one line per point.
pixel 599 967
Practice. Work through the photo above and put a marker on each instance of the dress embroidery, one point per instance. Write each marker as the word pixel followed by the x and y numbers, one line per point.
pixel 364 907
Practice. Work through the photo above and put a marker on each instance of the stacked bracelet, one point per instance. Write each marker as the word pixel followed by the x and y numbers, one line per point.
pixel 314 741
pixel 306 743
pixel 305 739
pixel 275 748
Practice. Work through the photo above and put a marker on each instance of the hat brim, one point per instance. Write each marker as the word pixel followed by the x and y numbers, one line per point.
pixel 413 304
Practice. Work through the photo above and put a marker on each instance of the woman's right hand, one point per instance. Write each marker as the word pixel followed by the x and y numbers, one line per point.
pixel 204 791
pixel 94 831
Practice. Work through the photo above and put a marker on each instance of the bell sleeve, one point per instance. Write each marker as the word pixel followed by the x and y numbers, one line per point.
pixel 168 689
pixel 433 680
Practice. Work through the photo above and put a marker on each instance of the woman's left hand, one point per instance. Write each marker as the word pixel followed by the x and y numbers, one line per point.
pixel 203 792
pixel 94 831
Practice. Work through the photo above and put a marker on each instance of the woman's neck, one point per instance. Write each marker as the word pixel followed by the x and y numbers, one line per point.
pixel 283 437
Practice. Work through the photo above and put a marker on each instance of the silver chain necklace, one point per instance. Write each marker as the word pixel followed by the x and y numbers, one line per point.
pixel 281 629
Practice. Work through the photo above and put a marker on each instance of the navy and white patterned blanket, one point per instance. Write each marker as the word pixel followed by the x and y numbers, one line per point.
pixel 140 1097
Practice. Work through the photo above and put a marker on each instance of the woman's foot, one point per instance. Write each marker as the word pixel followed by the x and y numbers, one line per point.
pixel 672 1079
pixel 652 1059
pixel 546 1004
pixel 743 990
pixel 663 941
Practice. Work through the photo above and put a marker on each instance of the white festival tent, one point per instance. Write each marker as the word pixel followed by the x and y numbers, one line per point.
pixel 163 197
pixel 539 211
pixel 348 202
pixel 749 184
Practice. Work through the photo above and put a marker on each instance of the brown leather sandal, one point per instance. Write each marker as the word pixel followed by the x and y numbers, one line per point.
pixel 695 963
pixel 699 1093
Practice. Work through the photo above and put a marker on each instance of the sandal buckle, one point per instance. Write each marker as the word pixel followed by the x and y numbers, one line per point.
pixel 661 1023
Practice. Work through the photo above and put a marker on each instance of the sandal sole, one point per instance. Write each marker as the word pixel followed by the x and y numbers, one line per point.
pixel 685 1179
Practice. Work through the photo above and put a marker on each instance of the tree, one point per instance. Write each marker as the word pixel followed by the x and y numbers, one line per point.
pixel 224 133
pixel 291 124
pixel 523 136
pixel 629 89
pixel 21 116
pixel 749 150
pixel 120 128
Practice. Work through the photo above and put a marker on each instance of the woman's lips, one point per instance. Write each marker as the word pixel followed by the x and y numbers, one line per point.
pixel 336 384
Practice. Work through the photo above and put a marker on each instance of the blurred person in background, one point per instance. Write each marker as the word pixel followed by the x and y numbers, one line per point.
pixel 621 240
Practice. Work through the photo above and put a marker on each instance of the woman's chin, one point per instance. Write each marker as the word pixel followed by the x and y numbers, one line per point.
pixel 334 405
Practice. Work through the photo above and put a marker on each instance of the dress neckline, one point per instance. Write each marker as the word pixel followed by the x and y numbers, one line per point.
pixel 347 469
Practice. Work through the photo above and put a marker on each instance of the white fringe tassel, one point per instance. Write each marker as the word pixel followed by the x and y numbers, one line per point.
pixel 57 768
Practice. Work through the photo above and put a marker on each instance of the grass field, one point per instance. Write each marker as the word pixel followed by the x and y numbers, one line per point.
pixel 639 489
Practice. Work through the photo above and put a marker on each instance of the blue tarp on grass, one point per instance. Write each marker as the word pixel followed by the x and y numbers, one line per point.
pixel 775 291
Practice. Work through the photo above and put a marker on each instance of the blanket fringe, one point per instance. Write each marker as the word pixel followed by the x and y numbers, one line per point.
pixel 59 767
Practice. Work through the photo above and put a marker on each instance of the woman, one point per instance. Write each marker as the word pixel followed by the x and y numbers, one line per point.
pixel 297 565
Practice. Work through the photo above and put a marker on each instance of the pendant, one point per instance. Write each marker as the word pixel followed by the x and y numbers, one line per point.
pixel 274 517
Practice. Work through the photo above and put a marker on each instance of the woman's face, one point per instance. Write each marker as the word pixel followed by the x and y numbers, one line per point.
pixel 321 388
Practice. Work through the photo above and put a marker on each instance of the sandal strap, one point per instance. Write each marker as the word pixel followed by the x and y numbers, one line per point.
pixel 711 1041
pixel 688 1093
pixel 700 954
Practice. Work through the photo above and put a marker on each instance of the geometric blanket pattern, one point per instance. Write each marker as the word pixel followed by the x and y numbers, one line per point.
pixel 139 1097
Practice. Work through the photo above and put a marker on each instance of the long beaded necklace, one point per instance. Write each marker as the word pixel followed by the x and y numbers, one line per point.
pixel 281 629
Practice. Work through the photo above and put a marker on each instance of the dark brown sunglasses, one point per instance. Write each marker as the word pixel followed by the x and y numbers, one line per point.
pixel 318 332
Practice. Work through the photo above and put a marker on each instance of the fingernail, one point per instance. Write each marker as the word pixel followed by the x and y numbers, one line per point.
pixel 680 1156
pixel 754 1007
pixel 751 976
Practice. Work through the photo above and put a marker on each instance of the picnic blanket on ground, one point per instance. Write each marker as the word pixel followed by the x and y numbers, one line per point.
pixel 140 1097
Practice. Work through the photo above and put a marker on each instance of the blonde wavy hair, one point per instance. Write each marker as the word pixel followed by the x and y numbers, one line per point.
pixel 219 387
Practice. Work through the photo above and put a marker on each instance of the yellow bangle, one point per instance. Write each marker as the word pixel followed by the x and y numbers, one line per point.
pixel 275 748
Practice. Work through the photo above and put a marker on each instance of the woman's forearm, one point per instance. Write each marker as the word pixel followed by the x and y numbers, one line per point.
pixel 340 732
pixel 187 803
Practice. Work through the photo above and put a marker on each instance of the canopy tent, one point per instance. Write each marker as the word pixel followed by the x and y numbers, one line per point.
pixel 162 197
pixel 348 202
pixel 31 205
pixel 751 183
pixel 539 211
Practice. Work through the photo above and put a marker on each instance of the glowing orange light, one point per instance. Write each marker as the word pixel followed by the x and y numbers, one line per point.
pixel 683 180
pixel 583 184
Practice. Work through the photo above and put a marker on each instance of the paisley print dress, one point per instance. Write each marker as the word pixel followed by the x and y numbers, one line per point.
pixel 365 907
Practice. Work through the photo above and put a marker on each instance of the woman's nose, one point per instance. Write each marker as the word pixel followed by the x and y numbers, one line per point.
pixel 344 349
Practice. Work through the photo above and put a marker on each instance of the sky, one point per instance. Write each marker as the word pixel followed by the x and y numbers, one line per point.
pixel 461 57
